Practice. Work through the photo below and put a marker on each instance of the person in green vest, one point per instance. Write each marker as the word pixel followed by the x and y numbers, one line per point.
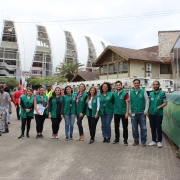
pixel 40 100
pixel 138 109
pixel 106 110
pixel 49 91
pixel 55 111
pixel 121 111
pixel 81 97
pixel 92 112
pixel 27 110
pixel 69 111
pixel 158 101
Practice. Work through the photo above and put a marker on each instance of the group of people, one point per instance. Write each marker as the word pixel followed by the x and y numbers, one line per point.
pixel 120 104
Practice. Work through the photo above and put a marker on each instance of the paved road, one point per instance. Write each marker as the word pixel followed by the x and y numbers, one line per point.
pixel 47 159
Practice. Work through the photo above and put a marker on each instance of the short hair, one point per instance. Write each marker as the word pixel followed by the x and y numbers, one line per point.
pixel 157 82
pixel 137 80
pixel 108 85
pixel 66 88
pixel 118 82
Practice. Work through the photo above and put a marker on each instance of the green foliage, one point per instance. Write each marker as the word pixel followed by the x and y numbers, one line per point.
pixel 34 81
pixel 68 70
pixel 2 80
pixel 11 83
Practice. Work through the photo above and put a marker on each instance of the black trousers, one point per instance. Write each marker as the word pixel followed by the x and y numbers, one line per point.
pixel 92 122
pixel 56 123
pixel 117 118
pixel 79 123
pixel 24 121
pixel 39 122
pixel 156 128
pixel 17 111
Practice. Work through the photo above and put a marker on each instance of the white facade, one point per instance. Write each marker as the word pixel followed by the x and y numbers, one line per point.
pixel 30 47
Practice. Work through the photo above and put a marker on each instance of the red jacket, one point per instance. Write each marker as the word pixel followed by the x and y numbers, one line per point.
pixel 17 95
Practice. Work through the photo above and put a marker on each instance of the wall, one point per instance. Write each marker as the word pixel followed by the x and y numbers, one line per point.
pixel 166 76
pixel 155 70
pixel 137 69
pixel 166 41
pixel 102 77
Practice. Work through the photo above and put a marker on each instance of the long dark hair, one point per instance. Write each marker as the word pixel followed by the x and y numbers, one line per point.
pixel 108 85
pixel 54 94
pixel 89 94
pixel 66 88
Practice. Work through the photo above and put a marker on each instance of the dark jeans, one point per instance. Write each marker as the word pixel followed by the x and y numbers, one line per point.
pixel 79 123
pixel 117 118
pixel 17 111
pixel 39 122
pixel 24 121
pixel 55 123
pixel 156 128
pixel 92 126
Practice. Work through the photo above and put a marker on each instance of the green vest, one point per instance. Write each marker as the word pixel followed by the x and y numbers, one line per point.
pixel 137 101
pixel 106 103
pixel 120 103
pixel 28 103
pixel 54 106
pixel 39 101
pixel 156 99
pixel 49 94
pixel 81 103
pixel 67 109
pixel 94 107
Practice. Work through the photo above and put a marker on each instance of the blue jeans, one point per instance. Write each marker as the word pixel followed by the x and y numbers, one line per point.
pixel 141 120
pixel 106 125
pixel 69 124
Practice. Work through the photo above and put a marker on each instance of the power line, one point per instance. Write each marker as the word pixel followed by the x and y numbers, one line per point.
pixel 113 18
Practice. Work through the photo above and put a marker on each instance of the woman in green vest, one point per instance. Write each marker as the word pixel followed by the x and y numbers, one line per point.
pixel 80 109
pixel 27 109
pixel 92 110
pixel 106 110
pixel 69 104
pixel 40 100
pixel 55 111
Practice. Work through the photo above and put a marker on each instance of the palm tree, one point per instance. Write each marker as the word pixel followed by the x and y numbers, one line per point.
pixel 68 70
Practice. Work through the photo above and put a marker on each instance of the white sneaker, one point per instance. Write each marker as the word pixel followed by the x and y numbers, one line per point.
pixel 57 137
pixel 152 144
pixel 159 144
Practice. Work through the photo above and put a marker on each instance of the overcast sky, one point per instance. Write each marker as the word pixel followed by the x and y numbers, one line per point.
pixel 131 33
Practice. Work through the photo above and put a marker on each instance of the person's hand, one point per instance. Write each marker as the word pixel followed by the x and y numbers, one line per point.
pixel 96 115
pixel 145 113
pixel 126 116
pixel 10 111
pixel 62 116
pixel 49 116
pixel 81 114
pixel 38 113
pixel 27 110
pixel 130 114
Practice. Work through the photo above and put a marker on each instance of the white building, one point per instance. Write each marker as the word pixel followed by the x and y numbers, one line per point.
pixel 29 47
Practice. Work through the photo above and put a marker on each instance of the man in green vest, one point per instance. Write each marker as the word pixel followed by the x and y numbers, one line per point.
pixel 121 108
pixel 138 109
pixel 158 101
pixel 49 91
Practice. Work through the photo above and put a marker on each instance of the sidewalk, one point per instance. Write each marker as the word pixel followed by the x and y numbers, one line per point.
pixel 47 159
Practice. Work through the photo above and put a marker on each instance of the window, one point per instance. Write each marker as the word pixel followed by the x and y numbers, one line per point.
pixel 165 69
pixel 103 70
pixel 123 67
pixel 111 68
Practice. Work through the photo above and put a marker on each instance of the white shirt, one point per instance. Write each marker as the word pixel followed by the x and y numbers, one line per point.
pixel 90 104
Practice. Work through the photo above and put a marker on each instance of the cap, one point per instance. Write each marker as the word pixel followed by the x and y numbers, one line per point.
pixel 19 87
pixel 1 86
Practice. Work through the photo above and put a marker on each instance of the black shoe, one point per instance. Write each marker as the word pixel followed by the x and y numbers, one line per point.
pixel 108 140
pixel 41 136
pixel 125 142
pixel 115 141
pixel 105 140
pixel 27 135
pixel 5 131
pixel 9 123
pixel 37 137
pixel 71 137
pixel 91 141
pixel 67 138
pixel 21 137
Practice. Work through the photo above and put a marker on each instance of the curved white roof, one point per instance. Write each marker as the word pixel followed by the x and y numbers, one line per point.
pixel 27 37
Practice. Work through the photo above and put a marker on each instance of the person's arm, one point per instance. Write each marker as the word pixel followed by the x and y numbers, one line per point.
pixel 62 106
pixel 50 106
pixel 35 106
pixel 127 105
pixel 98 107
pixel 164 102
pixel 146 103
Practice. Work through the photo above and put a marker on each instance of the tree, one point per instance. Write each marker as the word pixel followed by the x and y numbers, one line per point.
pixel 68 70
pixel 11 83
pixel 35 82
pixel 2 80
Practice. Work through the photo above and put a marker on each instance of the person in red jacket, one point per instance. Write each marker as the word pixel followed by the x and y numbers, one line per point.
pixel 17 95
